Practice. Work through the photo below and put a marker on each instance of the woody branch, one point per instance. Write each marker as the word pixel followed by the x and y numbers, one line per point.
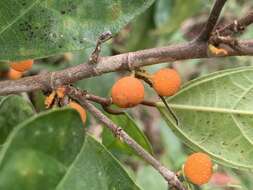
pixel 197 48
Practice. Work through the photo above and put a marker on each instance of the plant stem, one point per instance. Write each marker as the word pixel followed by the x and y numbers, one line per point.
pixel 168 175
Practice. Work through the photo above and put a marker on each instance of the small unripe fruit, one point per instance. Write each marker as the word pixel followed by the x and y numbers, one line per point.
pixel 50 100
pixel 61 91
pixel 127 92
pixel 22 66
pixel 13 74
pixel 80 110
pixel 198 168
pixel 166 82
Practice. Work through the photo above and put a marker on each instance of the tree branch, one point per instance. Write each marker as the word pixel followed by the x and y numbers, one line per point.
pixel 125 61
pixel 121 134
pixel 212 20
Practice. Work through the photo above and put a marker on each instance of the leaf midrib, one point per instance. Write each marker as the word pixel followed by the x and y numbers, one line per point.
pixel 207 109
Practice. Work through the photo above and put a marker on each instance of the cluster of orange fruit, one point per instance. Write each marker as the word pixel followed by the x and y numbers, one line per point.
pixel 129 91
pixel 60 94
pixel 18 68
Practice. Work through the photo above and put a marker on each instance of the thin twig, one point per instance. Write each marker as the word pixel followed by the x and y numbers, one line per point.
pixel 148 103
pixel 100 100
pixel 121 134
pixel 236 25
pixel 107 102
pixel 102 38
pixel 225 34
pixel 212 20
pixel 113 111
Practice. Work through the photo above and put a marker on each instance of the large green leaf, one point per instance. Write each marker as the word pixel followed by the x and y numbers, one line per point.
pixel 38 28
pixel 39 152
pixel 96 169
pixel 128 125
pixel 216 116
pixel 50 151
pixel 13 110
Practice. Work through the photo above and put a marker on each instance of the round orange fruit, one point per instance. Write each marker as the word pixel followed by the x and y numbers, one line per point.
pixel 198 168
pixel 166 82
pixel 127 92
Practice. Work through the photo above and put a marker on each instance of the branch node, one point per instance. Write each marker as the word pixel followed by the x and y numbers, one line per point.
pixel 212 20
pixel 95 71
pixel 52 81
pixel 130 66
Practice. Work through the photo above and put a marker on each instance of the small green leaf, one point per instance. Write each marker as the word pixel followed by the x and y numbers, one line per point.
pixel 96 169
pixel 129 126
pixel 13 110
pixel 216 116
pixel 33 28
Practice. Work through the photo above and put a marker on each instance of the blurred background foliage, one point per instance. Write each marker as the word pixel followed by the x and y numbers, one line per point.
pixel 166 22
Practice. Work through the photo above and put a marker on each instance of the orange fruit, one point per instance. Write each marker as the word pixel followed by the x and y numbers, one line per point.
pixel 22 66
pixel 198 168
pixel 14 75
pixel 166 82
pixel 79 109
pixel 127 92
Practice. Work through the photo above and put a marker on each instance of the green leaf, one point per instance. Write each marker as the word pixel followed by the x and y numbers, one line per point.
pixel 38 152
pixel 13 110
pixel 49 151
pixel 96 169
pixel 33 29
pixel 216 116
pixel 129 126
